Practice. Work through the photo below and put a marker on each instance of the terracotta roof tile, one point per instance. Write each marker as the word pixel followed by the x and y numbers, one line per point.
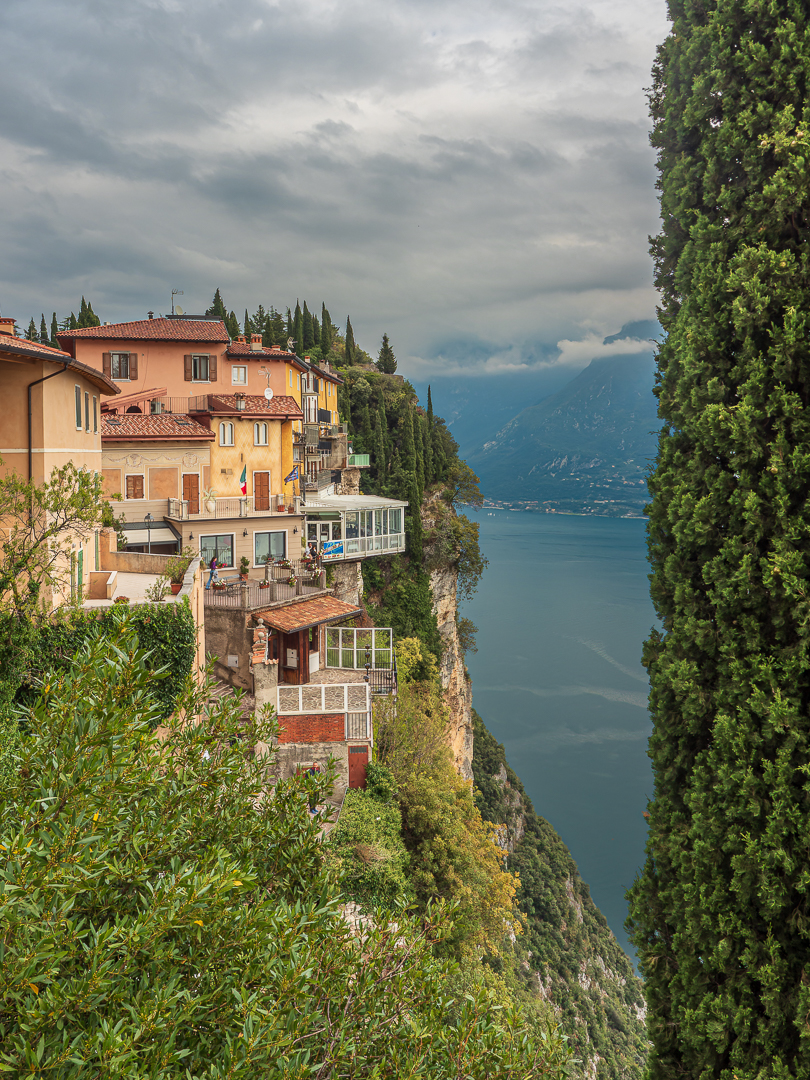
pixel 15 346
pixel 254 403
pixel 161 329
pixel 307 613
pixel 241 348
pixel 152 426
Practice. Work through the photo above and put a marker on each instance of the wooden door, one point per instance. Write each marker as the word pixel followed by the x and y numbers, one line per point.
pixel 261 491
pixel 358 759
pixel 191 492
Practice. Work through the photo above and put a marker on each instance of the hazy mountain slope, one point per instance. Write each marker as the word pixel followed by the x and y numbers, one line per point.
pixel 585 448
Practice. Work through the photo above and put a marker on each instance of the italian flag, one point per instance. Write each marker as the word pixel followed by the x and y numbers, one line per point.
pixel 243 480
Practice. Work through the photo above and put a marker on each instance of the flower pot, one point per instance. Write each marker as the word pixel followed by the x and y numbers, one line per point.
pixel 176 587
pixel 211 506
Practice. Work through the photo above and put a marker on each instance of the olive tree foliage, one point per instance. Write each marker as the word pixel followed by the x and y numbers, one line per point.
pixel 40 522
pixel 720 915
pixel 163 913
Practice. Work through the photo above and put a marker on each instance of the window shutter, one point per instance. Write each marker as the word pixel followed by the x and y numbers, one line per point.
pixel 133 366
pixel 187 368
pixel 212 369
pixel 106 364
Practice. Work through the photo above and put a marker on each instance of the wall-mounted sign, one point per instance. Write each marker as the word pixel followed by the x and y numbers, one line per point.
pixel 332 549
pixel 292 658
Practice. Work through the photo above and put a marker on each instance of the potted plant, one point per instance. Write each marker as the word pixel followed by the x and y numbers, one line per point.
pixel 176 568
pixel 210 500
pixel 244 567
pixel 157 592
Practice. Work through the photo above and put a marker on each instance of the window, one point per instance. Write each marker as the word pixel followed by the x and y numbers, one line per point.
pixel 291 379
pixel 78 391
pixel 217 547
pixel 95 415
pixel 134 487
pixel 273 544
pixel 260 434
pixel 395 520
pixel 86 411
pixel 226 434
pixel 239 375
pixel 199 369
pixel 299 382
pixel 119 363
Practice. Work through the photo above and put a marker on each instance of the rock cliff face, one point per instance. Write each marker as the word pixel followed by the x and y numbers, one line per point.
pixel 455 680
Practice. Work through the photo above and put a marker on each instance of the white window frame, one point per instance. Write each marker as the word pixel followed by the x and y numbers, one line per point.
pixel 299 384
pixel 95 415
pixel 225 437
pixel 269 532
pixel 77 390
pixel 196 361
pixel 87 412
pixel 260 428
pixel 115 365
pixel 242 369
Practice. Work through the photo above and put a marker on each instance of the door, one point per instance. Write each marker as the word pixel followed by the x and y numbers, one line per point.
pixel 261 491
pixel 358 759
pixel 191 492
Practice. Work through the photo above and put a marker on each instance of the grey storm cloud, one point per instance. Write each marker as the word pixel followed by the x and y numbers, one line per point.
pixel 474 173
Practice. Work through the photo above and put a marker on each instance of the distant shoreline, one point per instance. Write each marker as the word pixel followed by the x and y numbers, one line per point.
pixel 523 509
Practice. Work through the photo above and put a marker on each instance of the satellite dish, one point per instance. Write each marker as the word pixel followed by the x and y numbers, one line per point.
pixel 178 310
pixel 268 394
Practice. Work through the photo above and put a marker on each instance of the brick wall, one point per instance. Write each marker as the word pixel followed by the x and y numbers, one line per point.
pixel 311 728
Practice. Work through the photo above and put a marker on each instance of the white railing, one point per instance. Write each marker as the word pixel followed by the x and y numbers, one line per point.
pixel 323 698
pixel 364 545
pixel 238 506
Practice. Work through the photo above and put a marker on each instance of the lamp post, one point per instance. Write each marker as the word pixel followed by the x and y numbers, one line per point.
pixel 148 523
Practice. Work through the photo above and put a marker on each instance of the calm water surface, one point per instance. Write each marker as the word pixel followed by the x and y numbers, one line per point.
pixel 562 612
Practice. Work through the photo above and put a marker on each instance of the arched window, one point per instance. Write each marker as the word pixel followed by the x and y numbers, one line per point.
pixel 260 434
pixel 226 434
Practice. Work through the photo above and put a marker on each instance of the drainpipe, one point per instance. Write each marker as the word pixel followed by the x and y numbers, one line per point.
pixel 36 382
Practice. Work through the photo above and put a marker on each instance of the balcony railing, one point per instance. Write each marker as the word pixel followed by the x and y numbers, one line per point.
pixel 240 506
pixel 323 698
pixel 362 546
pixel 281 583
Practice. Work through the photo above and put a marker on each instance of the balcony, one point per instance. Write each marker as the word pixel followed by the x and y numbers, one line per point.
pixel 357 461
pixel 241 506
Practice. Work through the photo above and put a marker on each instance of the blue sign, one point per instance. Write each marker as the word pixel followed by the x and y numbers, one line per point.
pixel 332 549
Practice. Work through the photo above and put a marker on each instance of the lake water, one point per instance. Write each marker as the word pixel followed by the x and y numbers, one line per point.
pixel 562 612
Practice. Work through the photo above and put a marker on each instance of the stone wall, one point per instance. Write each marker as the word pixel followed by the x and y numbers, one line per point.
pixel 287 757
pixel 130 562
pixel 347 582
pixel 226 635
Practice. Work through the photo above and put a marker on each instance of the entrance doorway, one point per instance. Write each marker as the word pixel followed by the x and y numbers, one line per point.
pixel 358 759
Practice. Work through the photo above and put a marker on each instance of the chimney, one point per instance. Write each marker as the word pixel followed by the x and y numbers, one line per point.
pixel 7 326
pixel 151 314
pixel 256 342
pixel 241 339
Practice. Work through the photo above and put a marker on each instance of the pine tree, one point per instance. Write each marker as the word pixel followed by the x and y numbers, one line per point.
pixel 298 330
pixel 350 346
pixel 719 912
pixel 306 329
pixel 217 307
pixel 31 333
pixel 43 331
pixel 54 331
pixel 74 322
pixel 232 326
pixel 386 361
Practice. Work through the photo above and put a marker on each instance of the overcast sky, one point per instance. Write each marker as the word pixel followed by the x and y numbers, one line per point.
pixel 474 178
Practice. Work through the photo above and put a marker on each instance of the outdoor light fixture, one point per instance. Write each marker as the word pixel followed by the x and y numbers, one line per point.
pixel 148 523
pixel 191 536
pixel 244 533
pixel 295 530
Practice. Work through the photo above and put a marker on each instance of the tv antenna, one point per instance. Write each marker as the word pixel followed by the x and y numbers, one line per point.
pixel 176 292
pixel 268 393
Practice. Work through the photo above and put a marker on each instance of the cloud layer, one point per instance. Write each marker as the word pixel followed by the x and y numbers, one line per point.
pixel 475 178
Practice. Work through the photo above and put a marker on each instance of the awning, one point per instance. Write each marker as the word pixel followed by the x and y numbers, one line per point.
pixel 160 535
pixel 321 609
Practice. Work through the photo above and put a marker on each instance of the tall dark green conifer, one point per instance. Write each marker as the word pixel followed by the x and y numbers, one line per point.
pixel 386 361
pixel 298 330
pixel 419 453
pixel 31 333
pixel 248 325
pixel 43 331
pixel 428 450
pixel 350 347
pixel 316 331
pixel 217 306
pixel 326 331
pixel 54 331
pixel 719 915
pixel 306 323
pixel 87 317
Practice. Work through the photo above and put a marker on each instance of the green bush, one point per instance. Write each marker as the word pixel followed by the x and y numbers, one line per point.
pixel 366 847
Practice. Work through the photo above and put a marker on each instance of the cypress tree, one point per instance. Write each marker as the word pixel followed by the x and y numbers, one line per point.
pixel 289 324
pixel 419 453
pixel 248 325
pixel 298 330
pixel 326 331
pixel 349 342
pixel 74 322
pixel 31 333
pixel 427 450
pixel 719 914
pixel 430 412
pixel 232 326
pixel 43 331
pixel 54 331
pixel 316 331
pixel 415 532
pixel 386 361
pixel 408 447
pixel 306 324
